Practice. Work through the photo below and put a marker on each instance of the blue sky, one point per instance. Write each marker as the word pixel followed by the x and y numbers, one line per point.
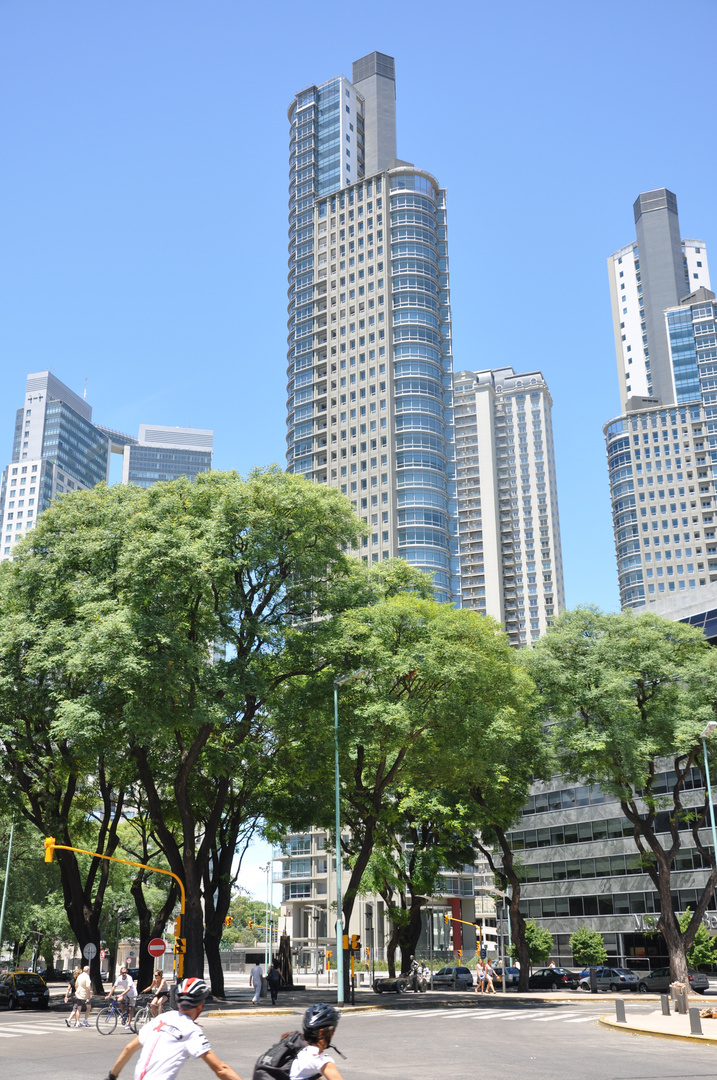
pixel 143 201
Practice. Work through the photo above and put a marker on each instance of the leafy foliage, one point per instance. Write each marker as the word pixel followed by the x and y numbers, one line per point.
pixel 588 947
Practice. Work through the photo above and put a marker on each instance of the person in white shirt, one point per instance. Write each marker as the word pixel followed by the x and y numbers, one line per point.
pixel 255 978
pixel 319 1026
pixel 170 1040
pixel 126 991
pixel 83 993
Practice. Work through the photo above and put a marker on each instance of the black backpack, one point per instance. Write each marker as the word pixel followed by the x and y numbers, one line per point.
pixel 276 1063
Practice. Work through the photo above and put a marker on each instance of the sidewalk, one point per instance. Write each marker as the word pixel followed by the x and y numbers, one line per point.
pixel 656 1025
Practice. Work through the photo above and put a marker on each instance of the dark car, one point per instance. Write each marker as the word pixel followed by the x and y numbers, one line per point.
pixel 658 981
pixel 553 978
pixel 460 978
pixel 23 990
pixel 54 975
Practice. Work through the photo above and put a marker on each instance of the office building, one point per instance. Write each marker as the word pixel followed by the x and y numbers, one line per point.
pixel 509 530
pixel 660 449
pixel 307 872
pixel 369 346
pixel 57 448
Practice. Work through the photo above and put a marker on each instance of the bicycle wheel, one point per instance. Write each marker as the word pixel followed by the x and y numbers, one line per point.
pixel 106 1020
pixel 142 1016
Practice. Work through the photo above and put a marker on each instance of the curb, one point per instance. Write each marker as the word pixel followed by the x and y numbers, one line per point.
pixel 607 1021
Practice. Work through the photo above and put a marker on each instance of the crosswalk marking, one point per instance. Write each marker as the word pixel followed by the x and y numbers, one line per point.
pixel 584 1019
pixel 537 1015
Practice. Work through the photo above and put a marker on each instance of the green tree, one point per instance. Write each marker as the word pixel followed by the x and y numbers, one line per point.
pixel 588 947
pixel 539 942
pixel 704 946
pixel 627 696
pixel 109 614
pixel 430 831
pixel 432 674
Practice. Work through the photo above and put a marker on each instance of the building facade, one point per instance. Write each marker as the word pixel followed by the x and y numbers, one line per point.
pixel 509 528
pixel 57 448
pixel 660 449
pixel 369 395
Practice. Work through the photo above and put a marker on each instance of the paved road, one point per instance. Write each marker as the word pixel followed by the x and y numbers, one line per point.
pixel 547 1042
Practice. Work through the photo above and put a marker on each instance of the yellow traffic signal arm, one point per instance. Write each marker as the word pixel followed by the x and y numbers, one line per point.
pixel 450 918
pixel 51 847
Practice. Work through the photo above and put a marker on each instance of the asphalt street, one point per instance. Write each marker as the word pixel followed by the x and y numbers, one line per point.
pixel 462 1042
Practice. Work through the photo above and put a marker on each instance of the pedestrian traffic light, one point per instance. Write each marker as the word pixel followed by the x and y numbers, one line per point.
pixel 229 921
pixel 355 943
pixel 460 955
pixel 49 848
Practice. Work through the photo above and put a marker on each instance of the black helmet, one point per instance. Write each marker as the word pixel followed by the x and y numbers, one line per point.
pixel 320 1016
pixel 192 992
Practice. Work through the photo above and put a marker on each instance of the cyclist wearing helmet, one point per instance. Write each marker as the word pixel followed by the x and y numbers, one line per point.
pixel 319 1026
pixel 168 1041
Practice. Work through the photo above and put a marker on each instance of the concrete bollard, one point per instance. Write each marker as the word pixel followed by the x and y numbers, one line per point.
pixel 695 1022
pixel 665 1004
pixel 620 1011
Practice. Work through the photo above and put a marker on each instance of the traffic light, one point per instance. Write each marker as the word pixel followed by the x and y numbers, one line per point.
pixel 355 943
pixel 49 848
pixel 229 921
pixel 446 918
pixel 368 953
pixel 328 954
pixel 460 955
pixel 250 924
pixel 177 925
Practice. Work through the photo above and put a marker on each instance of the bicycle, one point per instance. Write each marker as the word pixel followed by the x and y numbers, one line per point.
pixel 107 1018
pixel 144 1015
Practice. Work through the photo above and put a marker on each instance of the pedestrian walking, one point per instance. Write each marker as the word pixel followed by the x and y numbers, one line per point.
pixel 83 992
pixel 70 996
pixel 255 979
pixel 169 1040
pixel 274 980
pixel 489 975
pixel 480 976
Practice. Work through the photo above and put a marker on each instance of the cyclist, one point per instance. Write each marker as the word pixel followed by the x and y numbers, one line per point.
pixel 319 1026
pixel 168 1041
pixel 160 991
pixel 125 988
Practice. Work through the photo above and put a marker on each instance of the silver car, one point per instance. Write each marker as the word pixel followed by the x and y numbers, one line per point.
pixel 613 979
pixel 460 978
pixel 658 981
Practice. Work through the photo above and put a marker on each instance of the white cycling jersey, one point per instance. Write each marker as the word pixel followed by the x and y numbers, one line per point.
pixel 166 1044
pixel 308 1062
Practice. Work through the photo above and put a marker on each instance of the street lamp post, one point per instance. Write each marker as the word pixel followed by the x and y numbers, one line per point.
pixel 339 908
pixel 705 735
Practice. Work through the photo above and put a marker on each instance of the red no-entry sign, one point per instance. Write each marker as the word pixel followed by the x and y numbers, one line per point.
pixel 156 947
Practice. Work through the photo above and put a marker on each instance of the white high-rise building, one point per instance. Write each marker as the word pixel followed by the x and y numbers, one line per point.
pixel 662 480
pixel 369 346
pixel 509 528
pixel 647 277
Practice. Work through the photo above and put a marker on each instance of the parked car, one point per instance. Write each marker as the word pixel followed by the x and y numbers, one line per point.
pixel 459 978
pixel 610 978
pixel 54 975
pixel 658 981
pixel 512 977
pixel 23 990
pixel 553 978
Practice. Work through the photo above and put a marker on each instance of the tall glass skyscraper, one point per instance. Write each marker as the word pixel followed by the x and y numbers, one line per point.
pixel 369 371
pixel 57 448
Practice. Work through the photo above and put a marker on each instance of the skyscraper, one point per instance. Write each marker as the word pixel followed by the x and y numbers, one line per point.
pixel 57 448
pixel 511 560
pixel 659 450
pixel 369 346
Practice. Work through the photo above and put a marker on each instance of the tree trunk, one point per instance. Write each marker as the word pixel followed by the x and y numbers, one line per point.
pixel 410 933
pixel 507 875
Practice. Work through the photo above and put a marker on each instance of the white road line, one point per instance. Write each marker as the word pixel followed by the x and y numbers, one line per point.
pixel 20 1030
pixel 584 1019
pixel 552 1016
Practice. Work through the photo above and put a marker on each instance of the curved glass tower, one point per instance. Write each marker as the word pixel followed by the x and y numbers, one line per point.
pixel 369 345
